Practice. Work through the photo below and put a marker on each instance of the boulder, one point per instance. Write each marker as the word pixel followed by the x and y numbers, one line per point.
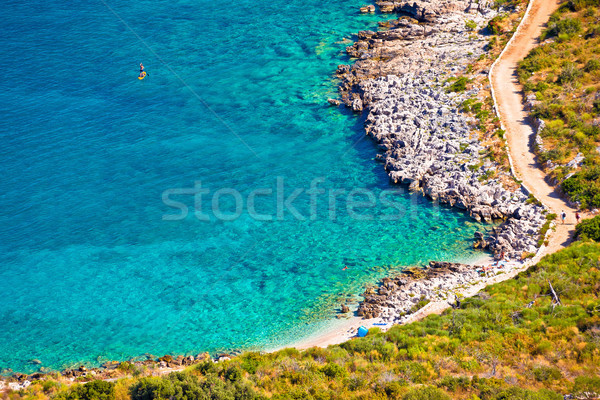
pixel 367 9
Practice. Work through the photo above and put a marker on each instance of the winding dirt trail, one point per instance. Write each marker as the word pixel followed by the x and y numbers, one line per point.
pixel 519 132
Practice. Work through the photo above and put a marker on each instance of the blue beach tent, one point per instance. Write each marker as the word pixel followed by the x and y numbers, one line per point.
pixel 362 331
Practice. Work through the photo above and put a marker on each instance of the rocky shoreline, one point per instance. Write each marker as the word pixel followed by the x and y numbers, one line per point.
pixel 112 369
pixel 401 80
pixel 398 298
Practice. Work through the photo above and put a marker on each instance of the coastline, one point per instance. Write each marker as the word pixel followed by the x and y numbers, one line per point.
pixel 419 84
pixel 358 94
pixel 344 329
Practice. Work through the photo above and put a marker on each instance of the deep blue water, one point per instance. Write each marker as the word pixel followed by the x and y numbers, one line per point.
pixel 235 99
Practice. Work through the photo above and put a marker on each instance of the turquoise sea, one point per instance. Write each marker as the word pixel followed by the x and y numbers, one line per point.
pixel 96 266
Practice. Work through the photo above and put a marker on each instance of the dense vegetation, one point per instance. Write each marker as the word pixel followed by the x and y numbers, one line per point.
pixel 589 229
pixel 563 74
pixel 515 340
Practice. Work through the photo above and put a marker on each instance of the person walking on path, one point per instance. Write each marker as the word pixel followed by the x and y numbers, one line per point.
pixel 577 217
pixel 563 216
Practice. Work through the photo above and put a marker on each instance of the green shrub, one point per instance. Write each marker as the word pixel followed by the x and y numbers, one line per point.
pixel 589 229
pixel 207 367
pixel 584 186
pixel 394 389
pixel 587 384
pixel 524 394
pixel 567 26
pixel 569 74
pixel 426 393
pixel 94 390
pixel 576 5
pixel 543 374
pixel 471 25
pixel 187 386
pixel 549 218
pixel 51 386
pixel 459 85
pixel 592 32
pixel 333 370
pixel 233 373
pixel 451 383
pixel 250 361
pixel 152 389
pixel 592 65
pixel 494 25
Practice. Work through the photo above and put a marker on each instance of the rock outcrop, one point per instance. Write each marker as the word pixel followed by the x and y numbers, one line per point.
pixel 401 81
pixel 397 298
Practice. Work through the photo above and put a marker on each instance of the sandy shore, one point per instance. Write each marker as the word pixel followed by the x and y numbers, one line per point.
pixel 342 330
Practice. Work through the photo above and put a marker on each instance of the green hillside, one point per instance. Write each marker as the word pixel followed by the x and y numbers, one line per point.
pixel 562 76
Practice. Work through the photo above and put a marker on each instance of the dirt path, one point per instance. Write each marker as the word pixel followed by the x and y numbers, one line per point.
pixel 515 119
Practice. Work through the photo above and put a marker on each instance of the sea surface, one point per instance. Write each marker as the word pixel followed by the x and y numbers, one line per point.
pixel 211 206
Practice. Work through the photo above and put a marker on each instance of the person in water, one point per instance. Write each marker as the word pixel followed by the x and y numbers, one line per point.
pixel 142 72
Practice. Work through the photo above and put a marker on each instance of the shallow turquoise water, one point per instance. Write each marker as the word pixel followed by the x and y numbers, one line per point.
pixel 235 98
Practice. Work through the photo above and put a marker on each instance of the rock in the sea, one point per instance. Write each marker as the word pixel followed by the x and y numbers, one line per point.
pixel 386 7
pixel 367 9
pixel 166 358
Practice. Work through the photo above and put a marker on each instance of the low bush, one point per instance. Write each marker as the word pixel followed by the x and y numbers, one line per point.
pixel 459 85
pixel 426 393
pixel 569 74
pixel 471 25
pixel 586 384
pixel 592 65
pixel 94 390
pixel 495 25
pixel 589 229
pixel 584 186
pixel 567 26
pixel 152 389
pixel 333 370
pixel 543 373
